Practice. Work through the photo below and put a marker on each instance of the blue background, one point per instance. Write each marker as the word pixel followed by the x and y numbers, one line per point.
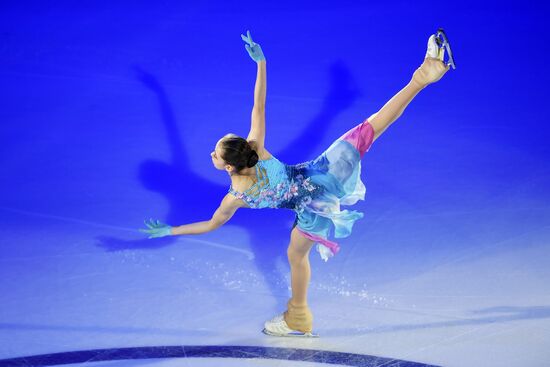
pixel 110 112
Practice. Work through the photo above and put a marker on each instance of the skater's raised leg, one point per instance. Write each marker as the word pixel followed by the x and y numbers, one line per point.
pixel 431 70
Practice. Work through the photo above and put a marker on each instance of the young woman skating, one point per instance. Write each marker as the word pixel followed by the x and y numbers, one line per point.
pixel 316 190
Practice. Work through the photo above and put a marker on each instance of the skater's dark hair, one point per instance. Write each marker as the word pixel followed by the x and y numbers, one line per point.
pixel 238 152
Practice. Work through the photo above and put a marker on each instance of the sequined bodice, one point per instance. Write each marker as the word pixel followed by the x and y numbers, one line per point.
pixel 279 186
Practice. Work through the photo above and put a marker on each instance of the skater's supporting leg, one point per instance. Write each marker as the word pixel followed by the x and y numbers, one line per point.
pixel 298 316
pixel 298 257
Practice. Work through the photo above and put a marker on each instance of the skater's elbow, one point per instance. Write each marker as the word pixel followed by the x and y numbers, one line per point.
pixel 225 211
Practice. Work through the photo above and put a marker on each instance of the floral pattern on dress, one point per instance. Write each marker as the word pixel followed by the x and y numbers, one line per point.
pixel 295 194
pixel 314 190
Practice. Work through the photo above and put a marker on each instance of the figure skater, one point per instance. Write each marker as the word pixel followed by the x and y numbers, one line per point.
pixel 315 189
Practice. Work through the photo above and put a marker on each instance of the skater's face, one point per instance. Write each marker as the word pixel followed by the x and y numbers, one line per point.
pixel 216 156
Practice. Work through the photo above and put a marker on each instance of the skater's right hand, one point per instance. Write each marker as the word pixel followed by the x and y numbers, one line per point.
pixel 254 49
pixel 157 229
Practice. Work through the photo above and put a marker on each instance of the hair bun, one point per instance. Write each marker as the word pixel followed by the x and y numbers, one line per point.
pixel 252 159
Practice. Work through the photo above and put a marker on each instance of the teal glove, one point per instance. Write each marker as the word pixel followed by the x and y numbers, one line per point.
pixel 254 49
pixel 157 229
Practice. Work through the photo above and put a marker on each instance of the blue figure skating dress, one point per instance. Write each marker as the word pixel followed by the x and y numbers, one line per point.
pixel 316 189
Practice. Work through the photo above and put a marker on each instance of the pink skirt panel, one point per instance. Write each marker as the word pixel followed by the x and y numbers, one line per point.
pixel 333 246
pixel 360 136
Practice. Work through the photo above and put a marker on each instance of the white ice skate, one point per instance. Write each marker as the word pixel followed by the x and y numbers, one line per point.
pixel 433 49
pixel 277 327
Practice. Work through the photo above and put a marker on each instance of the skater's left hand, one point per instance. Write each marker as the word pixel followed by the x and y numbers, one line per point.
pixel 254 49
pixel 157 229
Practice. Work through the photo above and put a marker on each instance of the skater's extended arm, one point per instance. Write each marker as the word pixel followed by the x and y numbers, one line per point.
pixel 257 125
pixel 260 86
pixel 192 228
pixel 225 211
pixel 159 229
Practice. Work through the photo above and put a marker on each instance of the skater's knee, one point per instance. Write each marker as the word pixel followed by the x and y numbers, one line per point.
pixel 299 244
pixel 296 256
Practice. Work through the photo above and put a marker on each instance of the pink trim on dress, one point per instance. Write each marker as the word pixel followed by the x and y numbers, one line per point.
pixel 333 246
pixel 360 136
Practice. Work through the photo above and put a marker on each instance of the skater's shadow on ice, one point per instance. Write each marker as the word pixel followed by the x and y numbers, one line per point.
pixel 498 315
pixel 192 198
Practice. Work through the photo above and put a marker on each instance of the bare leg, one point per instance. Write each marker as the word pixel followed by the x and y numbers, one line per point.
pixel 431 70
pixel 298 315
pixel 300 273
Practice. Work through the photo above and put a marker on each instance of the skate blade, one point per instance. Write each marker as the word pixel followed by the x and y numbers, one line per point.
pixel 294 334
pixel 445 43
